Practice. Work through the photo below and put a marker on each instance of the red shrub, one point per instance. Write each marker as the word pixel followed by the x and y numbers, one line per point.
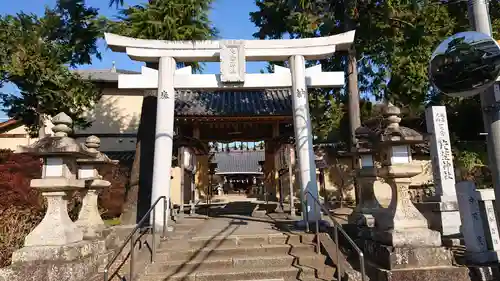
pixel 16 172
pixel 111 200
pixel 22 208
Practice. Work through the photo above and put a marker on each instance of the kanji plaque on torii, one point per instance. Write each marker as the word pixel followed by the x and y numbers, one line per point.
pixel 232 61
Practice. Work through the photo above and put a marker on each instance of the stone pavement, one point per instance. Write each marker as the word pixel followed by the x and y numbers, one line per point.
pixel 242 218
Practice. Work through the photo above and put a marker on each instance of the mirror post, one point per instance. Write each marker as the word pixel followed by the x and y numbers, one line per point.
pixel 480 21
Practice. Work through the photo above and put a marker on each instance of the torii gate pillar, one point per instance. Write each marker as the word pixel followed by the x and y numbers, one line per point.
pixel 303 138
pixel 164 137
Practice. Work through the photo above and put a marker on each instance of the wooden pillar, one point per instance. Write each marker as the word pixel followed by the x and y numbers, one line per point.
pixel 322 184
pixel 268 168
pixel 291 162
pixel 277 189
pixel 180 161
pixel 192 198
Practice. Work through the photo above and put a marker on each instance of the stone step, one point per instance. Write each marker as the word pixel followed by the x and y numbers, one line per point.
pixel 168 253
pixel 240 261
pixel 241 240
pixel 183 228
pixel 237 240
pixel 188 222
pixel 287 273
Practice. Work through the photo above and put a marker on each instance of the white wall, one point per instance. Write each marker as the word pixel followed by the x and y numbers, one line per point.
pixel 118 112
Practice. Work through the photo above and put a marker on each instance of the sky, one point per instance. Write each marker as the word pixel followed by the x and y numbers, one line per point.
pixel 233 22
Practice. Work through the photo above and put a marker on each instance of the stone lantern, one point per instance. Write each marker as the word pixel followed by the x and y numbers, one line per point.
pixel 89 219
pixel 401 224
pixel 362 215
pixel 400 245
pixel 55 249
pixel 58 182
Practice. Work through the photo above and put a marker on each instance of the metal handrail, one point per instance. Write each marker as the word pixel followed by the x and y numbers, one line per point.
pixel 130 239
pixel 336 227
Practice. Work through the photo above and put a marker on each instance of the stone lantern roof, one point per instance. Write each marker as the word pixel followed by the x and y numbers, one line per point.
pixel 387 131
pixel 364 136
pixel 58 144
pixel 92 144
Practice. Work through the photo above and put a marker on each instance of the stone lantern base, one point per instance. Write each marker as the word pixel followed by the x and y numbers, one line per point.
pixel 420 237
pixel 89 219
pixel 72 262
pixel 389 263
pixel 56 228
pixel 401 246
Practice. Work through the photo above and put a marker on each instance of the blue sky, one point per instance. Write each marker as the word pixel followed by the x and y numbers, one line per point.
pixel 232 21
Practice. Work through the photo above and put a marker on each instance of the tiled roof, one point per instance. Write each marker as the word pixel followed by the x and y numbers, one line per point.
pixel 227 103
pixel 125 156
pixel 235 162
pixel 5 126
pixel 275 102
pixel 103 75
pixel 122 156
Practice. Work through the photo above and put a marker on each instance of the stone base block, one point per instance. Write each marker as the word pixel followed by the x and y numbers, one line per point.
pixel 389 257
pixel 446 273
pixel 117 235
pixel 442 216
pixel 73 262
pixel 416 238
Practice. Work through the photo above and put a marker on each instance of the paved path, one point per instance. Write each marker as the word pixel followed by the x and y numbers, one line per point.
pixel 241 218
pixel 246 216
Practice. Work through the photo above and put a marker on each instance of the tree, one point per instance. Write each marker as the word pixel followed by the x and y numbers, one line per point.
pixel 35 53
pixel 394 42
pixel 394 39
pixel 161 20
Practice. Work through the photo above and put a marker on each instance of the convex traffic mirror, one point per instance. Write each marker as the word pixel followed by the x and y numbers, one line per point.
pixel 465 64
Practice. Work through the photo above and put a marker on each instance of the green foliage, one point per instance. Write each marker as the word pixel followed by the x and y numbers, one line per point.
pixel 325 113
pixel 166 20
pixel 35 54
pixel 469 160
pixel 394 42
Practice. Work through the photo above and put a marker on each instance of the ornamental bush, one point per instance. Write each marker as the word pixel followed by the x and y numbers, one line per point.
pixel 22 207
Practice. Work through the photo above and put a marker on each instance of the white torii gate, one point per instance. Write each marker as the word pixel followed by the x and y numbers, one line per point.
pixel 232 55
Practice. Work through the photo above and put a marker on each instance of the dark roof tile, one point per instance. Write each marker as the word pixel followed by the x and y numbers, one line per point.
pixel 275 102
pixel 103 75
pixel 11 123
pixel 226 103
pixel 234 162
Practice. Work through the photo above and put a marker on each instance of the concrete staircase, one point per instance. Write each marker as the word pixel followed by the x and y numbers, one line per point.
pixel 281 256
